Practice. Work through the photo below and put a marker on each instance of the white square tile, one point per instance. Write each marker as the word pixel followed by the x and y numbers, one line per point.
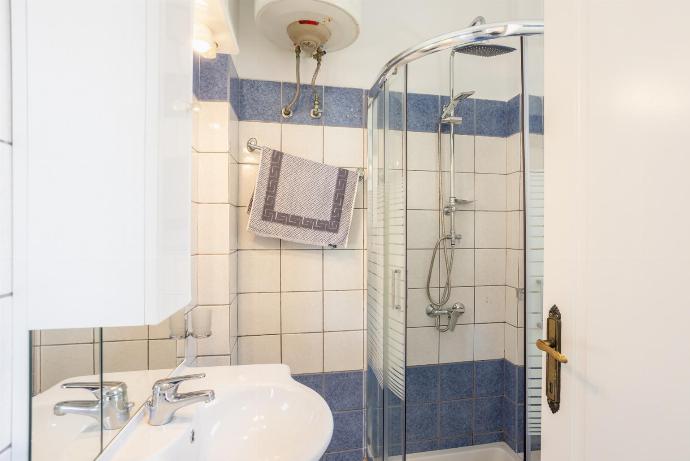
pixel 301 311
pixel 259 271
pixel 421 151
pixel 490 229
pixel 343 270
pixel 214 228
pixel 248 240
pixel 195 229
pixel 67 361
pixel 233 271
pixel 418 266
pixel 301 270
pixel 490 154
pixel 303 352
pixel 514 267
pixel 422 191
pixel 304 141
pixel 66 336
pixel 258 349
pixel 233 312
pixel 124 356
pixel 511 347
pixel 232 231
pixel 456 345
pixel 162 330
pixel 343 310
pixel 5 218
pixel 212 179
pixel 511 303
pixel 490 304
pixel 488 341
pixel 422 229
pixel 514 230
pixel 212 134
pixel 194 282
pixel 218 343
pixel 464 153
pixel 490 192
pixel 514 153
pixel 422 346
pixel 259 314
pixel 125 333
pixel 490 267
pixel 343 146
pixel 343 350
pixel 248 175
pixel 464 226
pixel 162 354
pixel 417 302
pixel 233 182
pixel 266 134
pixel 213 279
pixel 514 191
pixel 463 269
pixel 212 361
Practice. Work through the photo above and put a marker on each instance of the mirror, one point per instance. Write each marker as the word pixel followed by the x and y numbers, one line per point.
pixel 74 371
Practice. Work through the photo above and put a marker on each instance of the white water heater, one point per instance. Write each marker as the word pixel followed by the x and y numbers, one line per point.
pixel 330 25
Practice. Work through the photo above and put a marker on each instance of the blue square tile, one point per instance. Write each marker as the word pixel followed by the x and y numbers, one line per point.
pixel 457 380
pixel 394 114
pixel 466 109
pixel 421 384
pixel 421 421
pixel 536 114
pixel 353 455
pixel 488 378
pixel 394 426
pixel 488 414
pixel 260 100
pixel 491 437
pixel 520 385
pixel 464 440
pixel 314 382
pixel 391 399
pixel 234 88
pixel 456 417
pixel 344 391
pixel 348 431
pixel 393 450
pixel 508 411
pixel 301 111
pixel 509 380
pixel 374 394
pixel 195 75
pixel 343 107
pixel 491 118
pixel 513 115
pixel 422 112
pixel 213 78
pixel 421 446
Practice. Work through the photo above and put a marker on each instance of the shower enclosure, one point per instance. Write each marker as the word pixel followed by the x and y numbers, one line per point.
pixel 455 228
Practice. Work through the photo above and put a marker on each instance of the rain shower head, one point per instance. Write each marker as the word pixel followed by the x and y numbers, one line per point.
pixel 484 50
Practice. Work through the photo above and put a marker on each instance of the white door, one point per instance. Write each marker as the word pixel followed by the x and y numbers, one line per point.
pixel 617 227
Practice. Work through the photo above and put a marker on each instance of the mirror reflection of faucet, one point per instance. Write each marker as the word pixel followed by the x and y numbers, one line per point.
pixel 116 408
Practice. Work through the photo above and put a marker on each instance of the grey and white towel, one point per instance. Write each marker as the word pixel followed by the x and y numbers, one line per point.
pixel 302 201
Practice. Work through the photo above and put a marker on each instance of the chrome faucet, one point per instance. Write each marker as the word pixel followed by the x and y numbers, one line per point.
pixel 165 400
pixel 111 401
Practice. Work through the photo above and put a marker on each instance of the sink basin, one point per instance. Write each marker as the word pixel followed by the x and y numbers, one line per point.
pixel 260 413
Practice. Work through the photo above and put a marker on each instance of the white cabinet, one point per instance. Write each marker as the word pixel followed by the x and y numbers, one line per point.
pixel 102 137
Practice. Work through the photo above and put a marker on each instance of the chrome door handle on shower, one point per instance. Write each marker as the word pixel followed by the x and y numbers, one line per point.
pixel 396 297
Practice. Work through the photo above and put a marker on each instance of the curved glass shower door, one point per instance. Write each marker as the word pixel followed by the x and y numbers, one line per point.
pixel 386 280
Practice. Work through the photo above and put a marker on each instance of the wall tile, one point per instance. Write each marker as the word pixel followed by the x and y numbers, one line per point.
pixel 266 134
pixel 247 183
pixel 422 346
pixel 344 391
pixel 490 304
pixel 212 179
pixel 343 310
pixel 219 341
pixel 488 414
pixel 259 349
pixel 343 270
pixel 212 121
pixel 213 279
pixel 490 192
pixel 344 107
pixel 304 352
pixel 213 78
pixel 301 312
pixel 259 314
pixel 348 430
pixel 303 141
pixel 491 118
pixel 162 354
pixel 488 378
pixel 250 241
pixel 301 270
pixel 456 417
pixel 421 421
pixel 260 100
pixel 66 336
pixel 214 228
pixel 488 341
pixel 490 267
pixel 490 155
pixel 123 333
pixel 123 356
pixel 344 147
pixel 490 229
pixel 457 380
pixel 422 112
pixel 343 351
pixel 422 384
pixel 259 271
pixel 456 345
pixel 302 110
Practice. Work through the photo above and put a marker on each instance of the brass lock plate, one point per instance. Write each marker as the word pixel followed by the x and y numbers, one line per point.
pixel 553 366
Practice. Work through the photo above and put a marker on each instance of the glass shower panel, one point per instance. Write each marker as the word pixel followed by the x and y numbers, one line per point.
pixel 533 69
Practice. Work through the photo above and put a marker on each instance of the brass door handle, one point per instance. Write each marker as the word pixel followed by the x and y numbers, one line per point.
pixel 547 346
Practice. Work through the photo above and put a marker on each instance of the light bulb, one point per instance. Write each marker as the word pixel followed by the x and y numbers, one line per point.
pixel 203 42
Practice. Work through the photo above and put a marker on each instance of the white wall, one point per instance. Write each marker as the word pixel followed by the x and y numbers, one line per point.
pixel 388 27
pixel 5 233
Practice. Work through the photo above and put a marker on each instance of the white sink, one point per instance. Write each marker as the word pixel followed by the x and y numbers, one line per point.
pixel 260 413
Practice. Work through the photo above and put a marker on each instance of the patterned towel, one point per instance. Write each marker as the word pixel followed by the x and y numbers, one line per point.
pixel 302 201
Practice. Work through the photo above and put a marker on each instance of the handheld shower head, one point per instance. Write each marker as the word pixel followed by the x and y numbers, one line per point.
pixel 449 109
